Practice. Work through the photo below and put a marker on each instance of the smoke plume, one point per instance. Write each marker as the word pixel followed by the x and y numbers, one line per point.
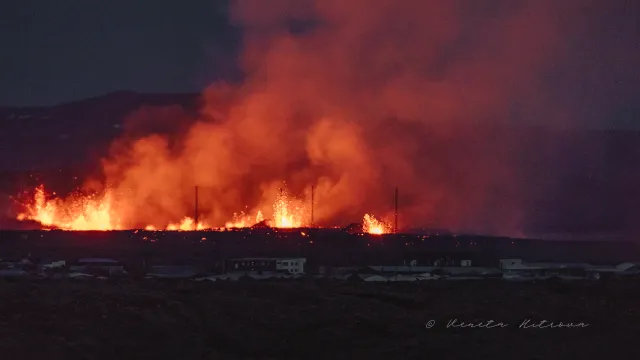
pixel 357 97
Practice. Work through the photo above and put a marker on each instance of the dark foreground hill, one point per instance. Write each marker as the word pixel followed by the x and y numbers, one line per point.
pixel 315 320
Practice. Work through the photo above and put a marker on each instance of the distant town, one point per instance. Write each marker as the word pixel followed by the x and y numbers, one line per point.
pixel 294 268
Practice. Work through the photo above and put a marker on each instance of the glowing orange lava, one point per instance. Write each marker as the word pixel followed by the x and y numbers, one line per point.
pixel 97 212
pixel 73 213
pixel 287 214
pixel 243 220
pixel 85 212
pixel 371 225
pixel 187 224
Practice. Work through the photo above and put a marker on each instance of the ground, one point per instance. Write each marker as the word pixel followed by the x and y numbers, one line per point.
pixel 314 320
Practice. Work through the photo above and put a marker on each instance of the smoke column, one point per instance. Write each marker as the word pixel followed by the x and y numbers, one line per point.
pixel 357 97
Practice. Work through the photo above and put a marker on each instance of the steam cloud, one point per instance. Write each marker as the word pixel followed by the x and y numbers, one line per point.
pixel 357 97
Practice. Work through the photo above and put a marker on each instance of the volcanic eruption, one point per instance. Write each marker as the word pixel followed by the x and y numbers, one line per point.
pixel 352 98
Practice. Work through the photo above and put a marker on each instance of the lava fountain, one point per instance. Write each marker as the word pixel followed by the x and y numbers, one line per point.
pixel 242 220
pixel 286 213
pixel 77 212
pixel 371 225
pixel 99 212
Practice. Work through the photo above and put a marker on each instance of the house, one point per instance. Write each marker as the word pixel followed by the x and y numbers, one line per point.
pixel 292 266
pixel 287 265
pixel 110 266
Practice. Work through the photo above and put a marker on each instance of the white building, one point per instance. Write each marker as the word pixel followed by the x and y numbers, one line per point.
pixel 292 265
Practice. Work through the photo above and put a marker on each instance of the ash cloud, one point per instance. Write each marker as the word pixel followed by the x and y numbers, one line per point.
pixel 357 97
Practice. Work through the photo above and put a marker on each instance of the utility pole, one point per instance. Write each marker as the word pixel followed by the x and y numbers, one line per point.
pixel 195 220
pixel 312 203
pixel 395 225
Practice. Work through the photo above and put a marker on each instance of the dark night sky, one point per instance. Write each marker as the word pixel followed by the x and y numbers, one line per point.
pixel 63 50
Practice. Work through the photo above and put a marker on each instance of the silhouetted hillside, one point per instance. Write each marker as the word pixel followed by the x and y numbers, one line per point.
pixel 71 134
